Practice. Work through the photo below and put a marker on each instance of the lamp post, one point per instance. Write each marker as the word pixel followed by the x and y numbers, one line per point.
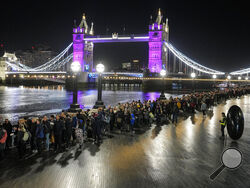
pixel 193 75
pixel 228 83
pixel 163 74
pixel 75 67
pixel 214 77
pixel 99 103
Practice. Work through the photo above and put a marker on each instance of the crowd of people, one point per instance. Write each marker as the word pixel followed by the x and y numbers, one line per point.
pixel 62 131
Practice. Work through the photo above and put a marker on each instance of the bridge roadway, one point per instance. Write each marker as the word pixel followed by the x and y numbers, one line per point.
pixel 119 38
pixel 119 76
pixel 169 156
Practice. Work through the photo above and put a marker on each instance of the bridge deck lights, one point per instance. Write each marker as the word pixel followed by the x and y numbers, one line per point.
pixel 228 77
pixel 239 78
pixel 214 76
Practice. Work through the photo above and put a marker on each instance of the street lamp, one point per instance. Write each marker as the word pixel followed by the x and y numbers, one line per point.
pixel 163 74
pixel 239 78
pixel 246 78
pixel 214 77
pixel 228 78
pixel 193 75
pixel 75 67
pixel 100 68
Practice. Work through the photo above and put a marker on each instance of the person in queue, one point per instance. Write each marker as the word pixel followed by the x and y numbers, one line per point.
pixel 8 127
pixel 39 135
pixel 3 139
pixel 47 129
pixel 58 131
pixel 223 123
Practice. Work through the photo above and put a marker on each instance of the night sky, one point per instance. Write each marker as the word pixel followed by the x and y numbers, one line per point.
pixel 214 33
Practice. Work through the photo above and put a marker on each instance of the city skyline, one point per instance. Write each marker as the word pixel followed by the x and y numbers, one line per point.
pixel 214 34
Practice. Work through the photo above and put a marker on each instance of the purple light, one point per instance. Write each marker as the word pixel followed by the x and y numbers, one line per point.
pixel 78 46
pixel 155 48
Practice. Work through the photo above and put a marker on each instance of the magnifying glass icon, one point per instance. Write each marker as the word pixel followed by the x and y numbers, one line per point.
pixel 231 158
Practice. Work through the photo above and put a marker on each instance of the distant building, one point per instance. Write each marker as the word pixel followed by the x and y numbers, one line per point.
pixel 36 56
pixel 126 66
pixel 2 68
pixel 135 66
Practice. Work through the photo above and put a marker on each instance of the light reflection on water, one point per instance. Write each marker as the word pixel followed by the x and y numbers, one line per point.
pixel 33 101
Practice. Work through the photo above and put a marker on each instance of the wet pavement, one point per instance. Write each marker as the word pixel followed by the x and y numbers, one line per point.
pixel 184 155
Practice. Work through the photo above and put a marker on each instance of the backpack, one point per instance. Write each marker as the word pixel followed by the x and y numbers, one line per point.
pixel 3 137
pixel 106 119
pixel 25 136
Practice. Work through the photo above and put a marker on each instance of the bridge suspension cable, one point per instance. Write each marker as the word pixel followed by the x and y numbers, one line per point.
pixel 239 72
pixel 53 61
pixel 191 63
pixel 59 64
pixel 53 64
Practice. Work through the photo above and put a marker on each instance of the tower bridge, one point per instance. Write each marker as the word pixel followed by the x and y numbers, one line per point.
pixel 161 55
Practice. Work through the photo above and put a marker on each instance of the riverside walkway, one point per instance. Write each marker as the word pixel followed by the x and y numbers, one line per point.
pixel 167 156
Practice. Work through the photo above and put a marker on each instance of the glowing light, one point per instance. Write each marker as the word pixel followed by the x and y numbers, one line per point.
pixel 100 68
pixel 163 72
pixel 228 77
pixel 189 62
pixel 239 78
pixel 193 75
pixel 75 66
pixel 246 78
pixel 214 76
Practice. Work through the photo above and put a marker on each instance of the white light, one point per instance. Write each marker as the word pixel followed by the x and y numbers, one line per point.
pixel 100 68
pixel 246 78
pixel 163 72
pixel 239 78
pixel 146 37
pixel 190 62
pixel 228 77
pixel 193 75
pixel 214 76
pixel 75 66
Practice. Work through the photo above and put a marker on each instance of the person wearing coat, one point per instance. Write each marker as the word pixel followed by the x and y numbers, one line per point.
pixel 39 135
pixel 8 127
pixel 68 132
pixel 3 138
pixel 58 130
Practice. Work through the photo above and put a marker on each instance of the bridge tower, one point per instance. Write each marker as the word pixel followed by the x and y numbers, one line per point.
pixel 78 44
pixel 83 50
pixel 158 53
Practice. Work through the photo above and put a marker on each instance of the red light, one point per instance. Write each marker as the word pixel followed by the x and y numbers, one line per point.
pixel 33 47
pixel 1 45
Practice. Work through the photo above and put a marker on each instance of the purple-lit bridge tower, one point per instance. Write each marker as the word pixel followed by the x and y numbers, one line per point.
pixel 84 40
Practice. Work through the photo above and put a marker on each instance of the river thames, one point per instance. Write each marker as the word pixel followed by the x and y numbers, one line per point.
pixel 22 101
